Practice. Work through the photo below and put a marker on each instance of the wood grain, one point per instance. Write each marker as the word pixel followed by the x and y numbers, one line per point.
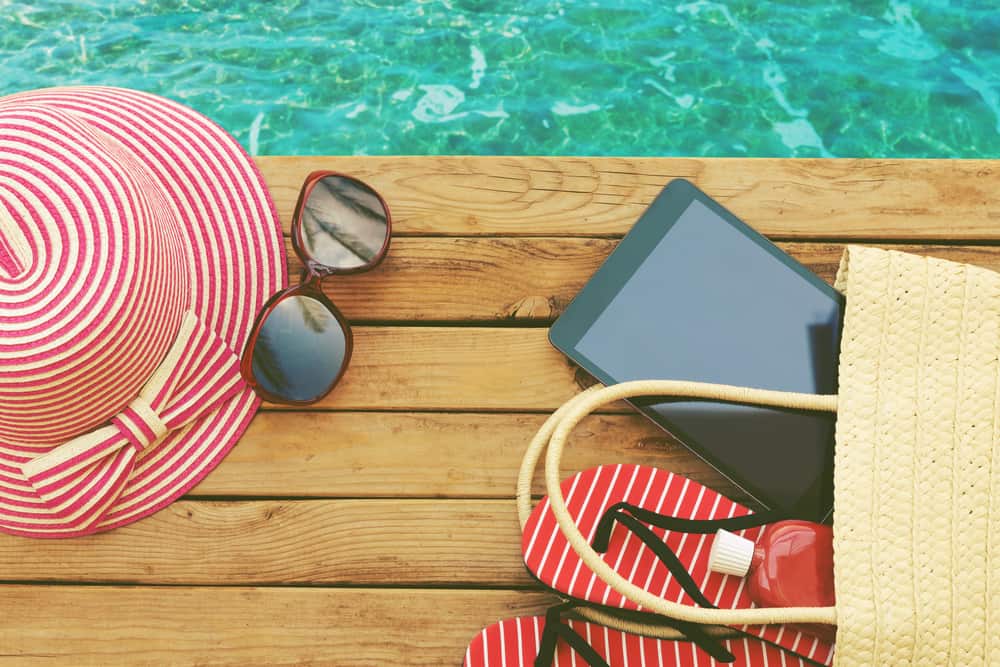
pixel 378 528
pixel 389 454
pixel 806 198
pixel 97 626
pixel 467 279
pixel 357 542
pixel 453 368
pixel 525 280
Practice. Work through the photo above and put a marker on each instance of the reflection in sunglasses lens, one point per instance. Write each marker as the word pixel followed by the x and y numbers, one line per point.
pixel 344 224
pixel 300 349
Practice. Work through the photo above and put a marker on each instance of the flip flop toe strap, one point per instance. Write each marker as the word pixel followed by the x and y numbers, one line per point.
pixel 633 518
pixel 555 630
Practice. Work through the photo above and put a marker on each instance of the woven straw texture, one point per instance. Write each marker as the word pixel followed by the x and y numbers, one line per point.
pixel 917 489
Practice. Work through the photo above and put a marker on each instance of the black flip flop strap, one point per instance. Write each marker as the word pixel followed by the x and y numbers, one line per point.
pixel 555 630
pixel 666 555
pixel 623 514
pixel 676 524
pixel 632 517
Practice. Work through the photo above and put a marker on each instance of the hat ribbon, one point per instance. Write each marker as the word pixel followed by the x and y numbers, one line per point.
pixel 80 480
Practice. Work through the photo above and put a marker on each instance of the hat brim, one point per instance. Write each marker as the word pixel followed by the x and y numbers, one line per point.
pixel 235 252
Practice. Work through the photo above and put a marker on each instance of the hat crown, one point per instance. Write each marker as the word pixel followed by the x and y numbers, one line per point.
pixel 15 253
pixel 93 275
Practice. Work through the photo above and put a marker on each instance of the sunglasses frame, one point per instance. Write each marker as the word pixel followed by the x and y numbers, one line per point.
pixel 313 273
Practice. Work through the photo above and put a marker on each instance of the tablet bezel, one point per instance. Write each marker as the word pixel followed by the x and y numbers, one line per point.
pixel 618 269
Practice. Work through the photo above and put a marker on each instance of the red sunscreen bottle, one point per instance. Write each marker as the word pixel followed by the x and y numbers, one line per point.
pixel 790 565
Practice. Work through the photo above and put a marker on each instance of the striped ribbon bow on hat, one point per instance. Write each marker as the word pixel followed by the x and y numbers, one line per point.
pixel 68 489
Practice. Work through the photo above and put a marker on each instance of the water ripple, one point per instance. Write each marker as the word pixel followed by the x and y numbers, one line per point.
pixel 611 77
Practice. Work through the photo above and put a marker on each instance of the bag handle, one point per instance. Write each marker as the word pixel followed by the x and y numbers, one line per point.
pixel 554 433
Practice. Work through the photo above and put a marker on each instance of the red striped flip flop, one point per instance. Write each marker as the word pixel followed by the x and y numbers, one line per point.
pixel 626 500
pixel 553 641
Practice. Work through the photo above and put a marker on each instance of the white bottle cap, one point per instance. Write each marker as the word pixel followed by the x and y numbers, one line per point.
pixel 730 554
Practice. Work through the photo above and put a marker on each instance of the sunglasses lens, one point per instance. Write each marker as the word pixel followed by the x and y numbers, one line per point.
pixel 300 349
pixel 344 223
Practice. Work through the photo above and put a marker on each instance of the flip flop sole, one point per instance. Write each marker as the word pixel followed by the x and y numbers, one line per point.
pixel 551 560
pixel 515 643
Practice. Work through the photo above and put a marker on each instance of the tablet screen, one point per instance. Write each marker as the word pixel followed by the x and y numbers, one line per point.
pixel 713 304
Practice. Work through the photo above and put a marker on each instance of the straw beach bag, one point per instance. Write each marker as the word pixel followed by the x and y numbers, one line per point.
pixel 916 467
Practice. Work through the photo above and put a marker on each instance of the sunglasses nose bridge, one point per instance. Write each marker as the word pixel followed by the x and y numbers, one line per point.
pixel 308 277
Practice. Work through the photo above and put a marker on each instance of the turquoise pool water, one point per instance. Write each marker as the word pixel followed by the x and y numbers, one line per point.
pixel 608 77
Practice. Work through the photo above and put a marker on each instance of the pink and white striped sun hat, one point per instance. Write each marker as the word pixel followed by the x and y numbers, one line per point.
pixel 137 243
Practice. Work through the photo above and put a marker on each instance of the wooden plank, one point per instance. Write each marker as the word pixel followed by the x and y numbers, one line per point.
pixel 453 368
pixel 807 198
pixel 523 279
pixel 467 279
pixel 398 542
pixel 242 627
pixel 480 368
pixel 357 542
pixel 390 454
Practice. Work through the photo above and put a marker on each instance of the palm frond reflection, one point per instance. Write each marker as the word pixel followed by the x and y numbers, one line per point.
pixel 300 348
pixel 344 224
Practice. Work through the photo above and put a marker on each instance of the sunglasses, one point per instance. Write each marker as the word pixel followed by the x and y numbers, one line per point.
pixel 300 344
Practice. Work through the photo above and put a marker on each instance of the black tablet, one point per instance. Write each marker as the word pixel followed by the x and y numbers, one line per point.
pixel 693 293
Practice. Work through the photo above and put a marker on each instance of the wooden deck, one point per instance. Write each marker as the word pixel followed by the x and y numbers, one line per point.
pixel 378 528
